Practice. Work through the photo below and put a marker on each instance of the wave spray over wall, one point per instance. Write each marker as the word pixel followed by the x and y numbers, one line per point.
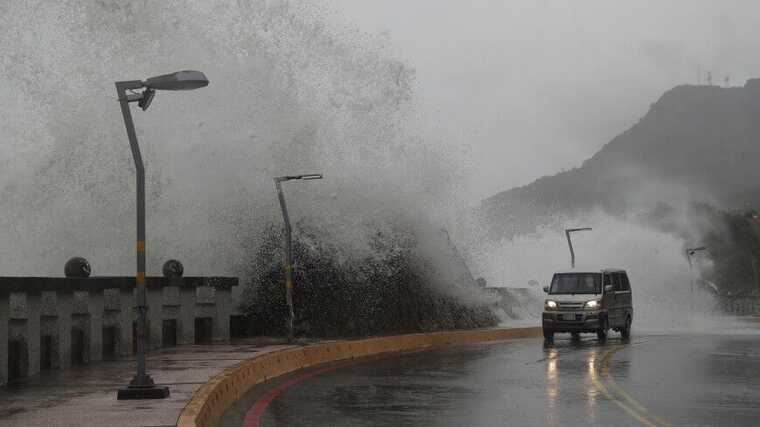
pixel 291 92
pixel 655 262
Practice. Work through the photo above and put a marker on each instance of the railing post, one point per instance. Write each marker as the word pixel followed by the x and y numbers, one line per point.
pixel 65 302
pixel 34 306
pixel 222 304
pixel 155 304
pixel 96 308
pixel 4 318
pixel 187 314
pixel 126 316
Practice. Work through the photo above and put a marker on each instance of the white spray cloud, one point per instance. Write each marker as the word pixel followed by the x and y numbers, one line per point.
pixel 654 260
pixel 291 92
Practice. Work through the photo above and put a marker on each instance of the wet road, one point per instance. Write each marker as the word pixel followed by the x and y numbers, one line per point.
pixel 697 380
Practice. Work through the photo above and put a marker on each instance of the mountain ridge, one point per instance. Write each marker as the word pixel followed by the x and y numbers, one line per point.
pixel 696 143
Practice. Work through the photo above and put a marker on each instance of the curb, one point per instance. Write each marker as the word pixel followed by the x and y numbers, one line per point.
pixel 211 400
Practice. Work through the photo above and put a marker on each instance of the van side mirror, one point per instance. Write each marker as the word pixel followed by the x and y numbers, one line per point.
pixel 608 288
pixel 546 289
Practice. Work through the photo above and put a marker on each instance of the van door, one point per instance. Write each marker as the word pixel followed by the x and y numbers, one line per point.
pixel 625 298
pixel 609 297
pixel 615 310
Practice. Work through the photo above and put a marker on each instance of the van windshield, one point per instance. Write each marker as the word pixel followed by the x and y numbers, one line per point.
pixel 576 283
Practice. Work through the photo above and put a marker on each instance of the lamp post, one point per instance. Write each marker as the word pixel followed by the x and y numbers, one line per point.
pixel 690 252
pixel 288 244
pixel 570 242
pixel 142 386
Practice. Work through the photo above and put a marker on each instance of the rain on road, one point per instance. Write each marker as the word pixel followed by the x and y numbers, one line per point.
pixel 656 380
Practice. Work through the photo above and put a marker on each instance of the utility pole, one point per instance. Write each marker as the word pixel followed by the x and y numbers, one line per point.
pixel 570 242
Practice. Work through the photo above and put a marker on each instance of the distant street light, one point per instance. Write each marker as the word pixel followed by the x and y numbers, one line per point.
pixel 288 244
pixel 570 242
pixel 142 386
pixel 690 252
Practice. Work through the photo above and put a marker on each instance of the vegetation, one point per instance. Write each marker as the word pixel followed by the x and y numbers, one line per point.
pixel 734 247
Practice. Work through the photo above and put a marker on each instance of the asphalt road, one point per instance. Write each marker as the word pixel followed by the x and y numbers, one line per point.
pixel 696 380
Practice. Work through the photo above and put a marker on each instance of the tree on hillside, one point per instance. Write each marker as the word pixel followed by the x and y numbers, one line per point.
pixel 734 246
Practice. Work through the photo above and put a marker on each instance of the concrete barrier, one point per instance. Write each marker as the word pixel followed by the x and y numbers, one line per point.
pixel 52 322
pixel 212 399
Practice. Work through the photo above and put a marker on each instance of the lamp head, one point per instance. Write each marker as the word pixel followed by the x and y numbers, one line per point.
pixel 304 177
pixel 147 98
pixel 181 80
pixel 311 176
pixel 692 251
pixel 570 230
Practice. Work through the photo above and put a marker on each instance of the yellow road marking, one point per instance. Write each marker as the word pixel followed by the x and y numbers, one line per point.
pixel 619 390
pixel 630 411
pixel 630 405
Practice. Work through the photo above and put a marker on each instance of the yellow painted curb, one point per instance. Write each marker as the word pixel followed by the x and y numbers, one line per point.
pixel 212 399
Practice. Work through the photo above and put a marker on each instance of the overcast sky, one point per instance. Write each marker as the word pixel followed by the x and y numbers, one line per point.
pixel 532 87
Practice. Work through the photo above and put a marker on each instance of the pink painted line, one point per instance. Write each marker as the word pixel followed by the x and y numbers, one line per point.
pixel 253 416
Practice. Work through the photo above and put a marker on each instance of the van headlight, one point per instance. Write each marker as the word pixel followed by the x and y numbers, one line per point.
pixel 550 305
pixel 592 305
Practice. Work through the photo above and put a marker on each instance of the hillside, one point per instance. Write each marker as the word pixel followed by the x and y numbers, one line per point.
pixel 696 143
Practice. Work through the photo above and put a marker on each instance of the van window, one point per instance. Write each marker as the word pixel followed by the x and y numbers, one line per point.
pixel 626 284
pixel 575 283
pixel 617 283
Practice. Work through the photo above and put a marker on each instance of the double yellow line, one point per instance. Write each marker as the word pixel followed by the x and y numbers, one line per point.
pixel 624 400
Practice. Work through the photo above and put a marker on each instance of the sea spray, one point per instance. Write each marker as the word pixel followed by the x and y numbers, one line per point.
pixel 655 261
pixel 290 92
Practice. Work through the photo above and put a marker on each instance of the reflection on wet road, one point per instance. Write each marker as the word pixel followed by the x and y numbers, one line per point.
pixel 653 381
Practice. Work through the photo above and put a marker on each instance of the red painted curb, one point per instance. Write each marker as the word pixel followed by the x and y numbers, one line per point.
pixel 253 416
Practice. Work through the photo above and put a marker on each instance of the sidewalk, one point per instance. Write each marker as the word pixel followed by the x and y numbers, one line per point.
pixel 86 395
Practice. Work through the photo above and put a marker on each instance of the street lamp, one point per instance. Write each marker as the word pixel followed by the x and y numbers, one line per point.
pixel 690 252
pixel 142 386
pixel 288 244
pixel 570 242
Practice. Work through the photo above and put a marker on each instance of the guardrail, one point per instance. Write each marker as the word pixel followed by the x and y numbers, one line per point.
pixel 742 305
pixel 210 401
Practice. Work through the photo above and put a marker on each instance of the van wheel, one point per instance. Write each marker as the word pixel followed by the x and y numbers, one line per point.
pixel 548 335
pixel 625 332
pixel 601 334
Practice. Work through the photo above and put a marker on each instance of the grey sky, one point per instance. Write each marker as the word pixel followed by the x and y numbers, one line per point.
pixel 532 87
